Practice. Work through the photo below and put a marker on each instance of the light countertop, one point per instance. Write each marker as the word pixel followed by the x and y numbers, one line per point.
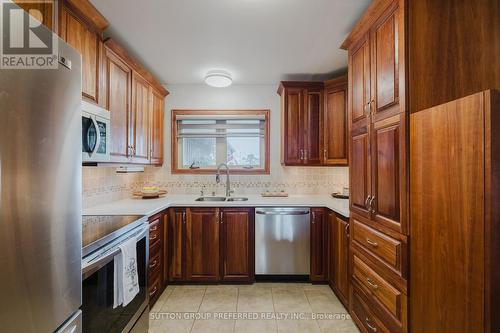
pixel 150 207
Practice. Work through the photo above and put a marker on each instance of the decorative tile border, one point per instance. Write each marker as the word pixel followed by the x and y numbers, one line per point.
pixel 101 185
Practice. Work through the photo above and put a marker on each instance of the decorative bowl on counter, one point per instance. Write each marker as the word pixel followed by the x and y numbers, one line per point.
pixel 149 192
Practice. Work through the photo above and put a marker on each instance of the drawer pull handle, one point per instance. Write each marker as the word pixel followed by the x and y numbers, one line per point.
pixel 154 228
pixel 151 293
pixel 153 264
pixel 373 285
pixel 151 238
pixel 368 323
pixel 372 243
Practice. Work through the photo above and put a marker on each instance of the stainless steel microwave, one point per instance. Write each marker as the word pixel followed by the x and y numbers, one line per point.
pixel 96 130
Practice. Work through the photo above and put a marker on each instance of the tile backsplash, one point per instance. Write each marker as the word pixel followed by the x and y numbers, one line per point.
pixel 103 184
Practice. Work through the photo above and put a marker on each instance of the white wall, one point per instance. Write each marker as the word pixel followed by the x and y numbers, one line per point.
pixel 234 97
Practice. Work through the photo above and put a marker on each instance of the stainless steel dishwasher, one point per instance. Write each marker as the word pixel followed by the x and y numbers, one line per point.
pixel 282 241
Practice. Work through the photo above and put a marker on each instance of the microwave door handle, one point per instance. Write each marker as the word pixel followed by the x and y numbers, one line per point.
pixel 98 131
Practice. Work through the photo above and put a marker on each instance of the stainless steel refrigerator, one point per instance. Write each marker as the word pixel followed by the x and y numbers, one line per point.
pixel 41 198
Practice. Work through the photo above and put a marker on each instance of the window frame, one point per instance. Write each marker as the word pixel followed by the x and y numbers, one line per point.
pixel 239 171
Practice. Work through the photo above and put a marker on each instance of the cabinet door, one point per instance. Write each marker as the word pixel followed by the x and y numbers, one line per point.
pixel 360 173
pixel 312 130
pixel 292 126
pixel 319 239
pixel 43 11
pixel 88 43
pixel 202 244
pixel 237 244
pixel 341 257
pixel 140 119
pixel 118 84
pixel 388 175
pixel 335 126
pixel 157 107
pixel 176 232
pixel 385 65
pixel 359 83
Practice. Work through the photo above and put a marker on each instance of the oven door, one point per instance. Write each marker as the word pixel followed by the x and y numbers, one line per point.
pixel 98 313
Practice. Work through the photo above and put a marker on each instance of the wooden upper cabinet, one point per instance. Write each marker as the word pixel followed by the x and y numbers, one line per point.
pixel 139 131
pixel 292 126
pixel 157 106
pixel 118 79
pixel 319 241
pixel 359 82
pixel 43 11
pixel 301 106
pixel 202 244
pixel 237 244
pixel 313 150
pixel 81 26
pixel 335 147
pixel 385 65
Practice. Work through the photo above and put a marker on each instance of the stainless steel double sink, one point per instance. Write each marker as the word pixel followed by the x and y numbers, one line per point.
pixel 221 199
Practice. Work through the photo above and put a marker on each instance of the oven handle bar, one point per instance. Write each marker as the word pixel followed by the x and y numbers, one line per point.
pixel 100 260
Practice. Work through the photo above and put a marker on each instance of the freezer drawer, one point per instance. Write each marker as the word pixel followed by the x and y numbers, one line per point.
pixel 282 241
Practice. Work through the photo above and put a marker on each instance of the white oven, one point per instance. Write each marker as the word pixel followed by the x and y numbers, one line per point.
pixel 96 129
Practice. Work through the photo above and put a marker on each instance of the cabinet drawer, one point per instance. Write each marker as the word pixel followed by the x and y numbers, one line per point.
pixel 154 289
pixel 154 232
pixel 381 246
pixel 390 297
pixel 154 267
pixel 364 316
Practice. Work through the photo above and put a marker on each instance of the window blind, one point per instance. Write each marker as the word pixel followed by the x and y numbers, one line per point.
pixel 216 126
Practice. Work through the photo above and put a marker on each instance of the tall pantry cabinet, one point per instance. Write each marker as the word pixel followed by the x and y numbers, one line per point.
pixel 378 169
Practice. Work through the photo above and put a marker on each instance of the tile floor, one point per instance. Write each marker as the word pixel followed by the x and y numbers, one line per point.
pixel 260 308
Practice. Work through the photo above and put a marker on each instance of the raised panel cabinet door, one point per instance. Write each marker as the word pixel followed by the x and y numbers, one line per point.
pixel 359 173
pixel 140 119
pixel 202 244
pixel 237 244
pixel 385 65
pixel 118 85
pixel 176 244
pixel 341 255
pixel 88 43
pixel 312 129
pixel 359 83
pixel 292 126
pixel 335 127
pixel 157 107
pixel 43 11
pixel 387 167
pixel 319 241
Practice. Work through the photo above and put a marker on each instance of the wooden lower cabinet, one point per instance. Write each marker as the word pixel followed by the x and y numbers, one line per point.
pixel 237 244
pixel 211 245
pixel 319 241
pixel 156 265
pixel 338 256
pixel 202 244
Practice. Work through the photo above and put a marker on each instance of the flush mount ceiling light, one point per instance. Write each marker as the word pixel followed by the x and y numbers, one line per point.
pixel 218 79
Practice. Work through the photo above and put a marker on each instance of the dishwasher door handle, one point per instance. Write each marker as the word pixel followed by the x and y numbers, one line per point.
pixel 296 212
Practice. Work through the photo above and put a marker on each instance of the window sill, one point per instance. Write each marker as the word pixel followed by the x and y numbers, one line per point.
pixel 214 171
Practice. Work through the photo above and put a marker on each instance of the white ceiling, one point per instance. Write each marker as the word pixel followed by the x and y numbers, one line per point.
pixel 258 41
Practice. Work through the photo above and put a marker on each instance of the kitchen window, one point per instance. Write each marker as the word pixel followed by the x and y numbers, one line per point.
pixel 203 139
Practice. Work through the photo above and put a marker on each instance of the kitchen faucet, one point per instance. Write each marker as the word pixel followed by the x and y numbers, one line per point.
pixel 228 184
